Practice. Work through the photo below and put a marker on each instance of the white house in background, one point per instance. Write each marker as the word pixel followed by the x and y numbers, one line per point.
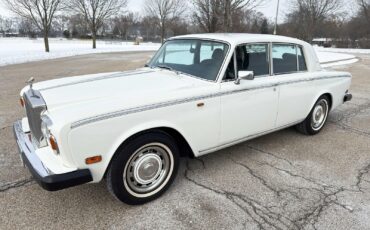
pixel 325 42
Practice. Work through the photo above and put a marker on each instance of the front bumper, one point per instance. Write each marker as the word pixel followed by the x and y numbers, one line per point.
pixel 44 176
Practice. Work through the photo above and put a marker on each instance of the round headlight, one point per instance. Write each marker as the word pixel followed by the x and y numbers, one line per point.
pixel 45 129
pixel 46 123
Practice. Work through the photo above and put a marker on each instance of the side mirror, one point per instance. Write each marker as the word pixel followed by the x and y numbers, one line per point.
pixel 244 75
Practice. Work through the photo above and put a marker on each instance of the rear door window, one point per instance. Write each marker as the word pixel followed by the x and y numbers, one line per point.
pixel 288 58
pixel 284 58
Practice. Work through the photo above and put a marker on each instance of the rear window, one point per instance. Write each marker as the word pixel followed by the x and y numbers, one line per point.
pixel 288 58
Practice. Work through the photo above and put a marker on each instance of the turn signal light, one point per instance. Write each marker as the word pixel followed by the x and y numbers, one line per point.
pixel 53 143
pixel 93 160
pixel 21 100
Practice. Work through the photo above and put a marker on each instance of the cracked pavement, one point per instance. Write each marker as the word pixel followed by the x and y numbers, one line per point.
pixel 283 180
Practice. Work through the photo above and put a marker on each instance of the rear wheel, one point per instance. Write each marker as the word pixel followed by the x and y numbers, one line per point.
pixel 144 168
pixel 316 120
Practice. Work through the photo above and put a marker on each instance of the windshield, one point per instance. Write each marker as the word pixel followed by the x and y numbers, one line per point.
pixel 200 58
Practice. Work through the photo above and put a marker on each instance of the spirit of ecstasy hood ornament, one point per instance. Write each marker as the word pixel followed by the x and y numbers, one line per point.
pixel 30 83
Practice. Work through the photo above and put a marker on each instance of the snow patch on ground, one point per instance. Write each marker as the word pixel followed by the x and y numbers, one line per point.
pixel 21 50
pixel 346 62
pixel 335 57
pixel 325 57
pixel 342 50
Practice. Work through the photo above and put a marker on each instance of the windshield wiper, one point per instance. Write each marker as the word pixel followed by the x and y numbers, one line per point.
pixel 169 68
pixel 165 67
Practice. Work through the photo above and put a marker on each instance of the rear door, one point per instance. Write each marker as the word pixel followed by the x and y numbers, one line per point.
pixel 296 89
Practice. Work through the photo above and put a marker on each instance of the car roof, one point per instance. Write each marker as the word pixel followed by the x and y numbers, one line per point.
pixel 239 38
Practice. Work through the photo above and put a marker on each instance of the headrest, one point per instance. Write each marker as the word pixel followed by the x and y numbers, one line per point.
pixel 290 57
pixel 218 54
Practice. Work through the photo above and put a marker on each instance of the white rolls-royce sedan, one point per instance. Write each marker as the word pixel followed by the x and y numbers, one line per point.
pixel 198 94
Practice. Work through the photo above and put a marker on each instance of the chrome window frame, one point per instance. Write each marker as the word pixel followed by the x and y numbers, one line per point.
pixel 296 51
pixel 304 58
pixel 269 47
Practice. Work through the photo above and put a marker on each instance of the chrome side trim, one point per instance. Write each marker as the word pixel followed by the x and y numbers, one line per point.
pixel 137 110
pixel 116 75
pixel 185 100
pixel 240 140
pixel 26 148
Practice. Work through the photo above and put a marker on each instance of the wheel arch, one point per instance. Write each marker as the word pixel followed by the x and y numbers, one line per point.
pixel 330 96
pixel 324 93
pixel 186 150
pixel 184 147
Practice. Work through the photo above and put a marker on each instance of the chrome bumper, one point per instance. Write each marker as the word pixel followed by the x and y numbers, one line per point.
pixel 46 178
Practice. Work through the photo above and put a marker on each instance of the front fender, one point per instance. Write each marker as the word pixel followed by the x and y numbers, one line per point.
pixel 105 138
pixel 147 126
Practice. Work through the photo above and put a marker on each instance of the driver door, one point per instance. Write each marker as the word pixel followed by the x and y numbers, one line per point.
pixel 249 108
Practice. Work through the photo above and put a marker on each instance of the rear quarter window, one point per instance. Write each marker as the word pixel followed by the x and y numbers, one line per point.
pixel 288 58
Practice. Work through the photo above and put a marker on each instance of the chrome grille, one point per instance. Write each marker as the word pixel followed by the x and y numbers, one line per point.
pixel 35 105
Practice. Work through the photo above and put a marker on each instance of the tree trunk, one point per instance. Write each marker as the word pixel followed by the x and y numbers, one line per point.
pixel 46 41
pixel 227 16
pixel 94 39
pixel 163 29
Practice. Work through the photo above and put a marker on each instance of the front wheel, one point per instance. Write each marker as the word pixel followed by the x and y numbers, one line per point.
pixel 144 168
pixel 316 120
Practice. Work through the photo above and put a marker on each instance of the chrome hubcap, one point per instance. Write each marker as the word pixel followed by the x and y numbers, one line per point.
pixel 147 168
pixel 319 115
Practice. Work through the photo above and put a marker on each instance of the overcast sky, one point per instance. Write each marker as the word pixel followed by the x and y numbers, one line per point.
pixel 269 8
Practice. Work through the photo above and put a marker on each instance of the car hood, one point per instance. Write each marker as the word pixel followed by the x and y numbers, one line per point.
pixel 90 95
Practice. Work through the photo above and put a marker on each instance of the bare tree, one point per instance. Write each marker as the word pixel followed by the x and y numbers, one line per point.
pixel 2 25
pixel 95 12
pixel 27 28
pixel 164 11
pixel 211 15
pixel 40 12
pixel 148 24
pixel 78 26
pixel 207 14
pixel 313 12
pixel 365 8
pixel 231 6
pixel 123 23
